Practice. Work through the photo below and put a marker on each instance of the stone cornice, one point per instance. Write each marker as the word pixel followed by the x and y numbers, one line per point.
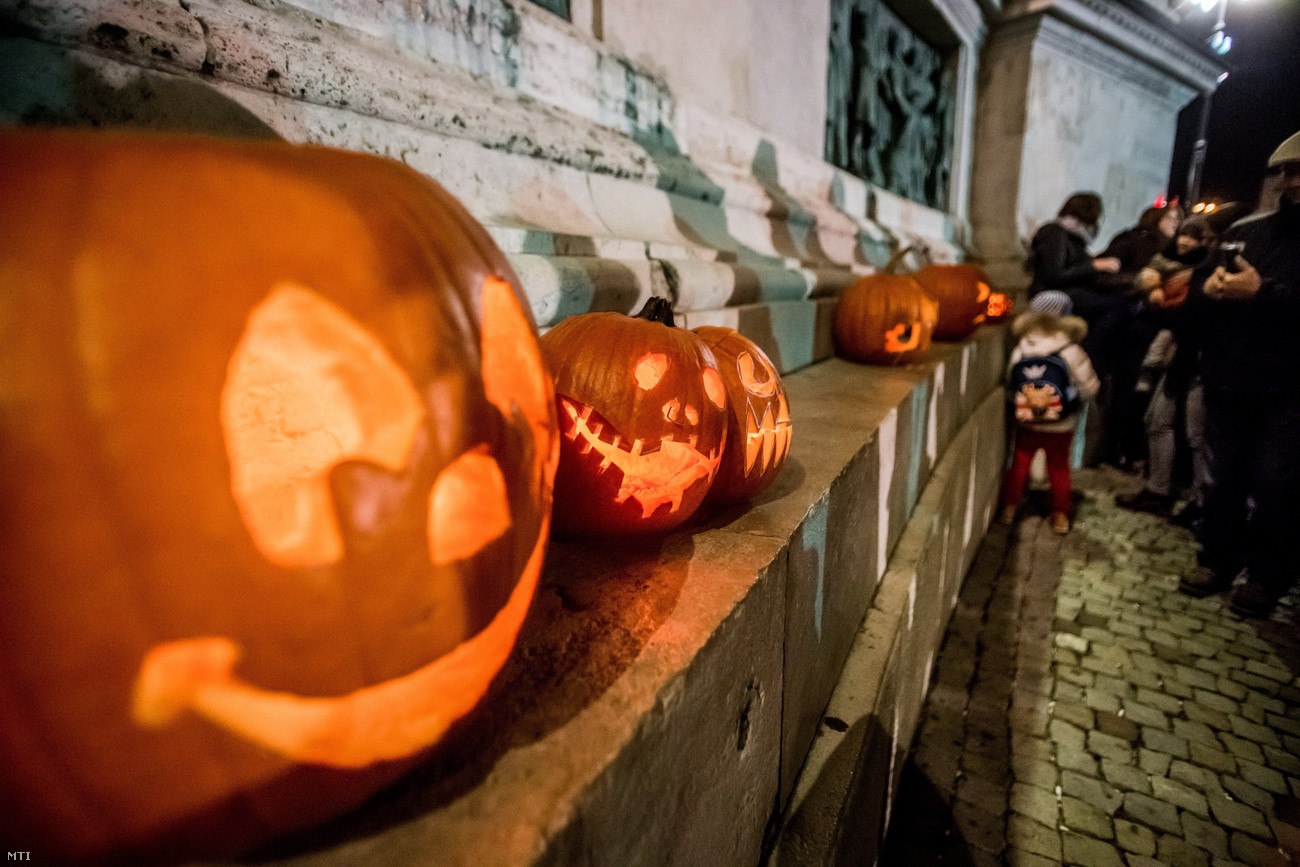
pixel 966 20
pixel 1105 58
pixel 1141 39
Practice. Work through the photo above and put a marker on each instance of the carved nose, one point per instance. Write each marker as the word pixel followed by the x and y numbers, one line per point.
pixel 378 508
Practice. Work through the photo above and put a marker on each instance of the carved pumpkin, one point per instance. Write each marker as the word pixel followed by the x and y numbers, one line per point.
pixel 1000 307
pixel 277 458
pixel 963 295
pixel 643 421
pixel 758 433
pixel 884 319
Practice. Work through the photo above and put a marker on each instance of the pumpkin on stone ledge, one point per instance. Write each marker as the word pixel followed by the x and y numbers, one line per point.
pixel 963 294
pixel 884 319
pixel 759 431
pixel 277 453
pixel 643 421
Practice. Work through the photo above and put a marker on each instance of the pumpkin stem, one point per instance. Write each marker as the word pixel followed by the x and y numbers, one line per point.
pixel 920 248
pixel 657 310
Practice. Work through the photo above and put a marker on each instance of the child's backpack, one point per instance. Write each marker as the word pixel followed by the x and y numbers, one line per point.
pixel 1040 390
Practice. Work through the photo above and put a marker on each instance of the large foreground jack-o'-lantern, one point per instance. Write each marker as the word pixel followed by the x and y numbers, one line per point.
pixel 884 319
pixel 759 431
pixel 643 421
pixel 277 455
pixel 962 291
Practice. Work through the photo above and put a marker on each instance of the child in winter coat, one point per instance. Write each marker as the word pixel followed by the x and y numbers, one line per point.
pixel 1050 375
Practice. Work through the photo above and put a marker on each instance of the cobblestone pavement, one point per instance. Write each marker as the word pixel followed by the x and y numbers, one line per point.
pixel 1083 711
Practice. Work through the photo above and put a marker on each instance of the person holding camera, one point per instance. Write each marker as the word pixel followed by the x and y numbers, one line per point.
pixel 1244 317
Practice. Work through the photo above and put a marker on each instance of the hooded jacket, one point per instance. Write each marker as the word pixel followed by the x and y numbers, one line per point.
pixel 1044 334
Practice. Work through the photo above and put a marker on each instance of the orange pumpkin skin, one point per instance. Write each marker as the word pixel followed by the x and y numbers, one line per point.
pixel 277 453
pixel 643 422
pixel 884 319
pixel 963 295
pixel 759 429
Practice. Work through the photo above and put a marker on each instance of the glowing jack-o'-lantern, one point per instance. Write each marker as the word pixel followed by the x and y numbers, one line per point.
pixel 963 295
pixel 884 318
pixel 643 421
pixel 1000 307
pixel 759 432
pixel 277 458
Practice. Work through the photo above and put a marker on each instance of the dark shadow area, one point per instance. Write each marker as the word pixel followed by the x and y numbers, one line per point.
pixel 718 517
pixel 924 830
pixel 596 607
pixel 840 819
pixel 868 251
pixel 794 227
pixel 1282 631
pixel 699 214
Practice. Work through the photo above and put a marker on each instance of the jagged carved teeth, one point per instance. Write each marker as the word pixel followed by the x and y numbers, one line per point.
pixel 652 478
pixel 767 441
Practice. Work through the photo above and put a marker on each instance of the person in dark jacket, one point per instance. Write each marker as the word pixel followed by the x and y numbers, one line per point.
pixel 1127 332
pixel 1059 259
pixel 1136 246
pixel 1245 318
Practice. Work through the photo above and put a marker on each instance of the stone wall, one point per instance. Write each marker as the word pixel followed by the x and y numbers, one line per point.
pixel 1074 95
pixel 760 60
pixel 603 184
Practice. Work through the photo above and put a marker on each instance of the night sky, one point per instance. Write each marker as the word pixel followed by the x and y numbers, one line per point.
pixel 1254 109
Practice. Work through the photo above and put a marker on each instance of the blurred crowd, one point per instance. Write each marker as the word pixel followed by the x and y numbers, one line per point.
pixel 1188 333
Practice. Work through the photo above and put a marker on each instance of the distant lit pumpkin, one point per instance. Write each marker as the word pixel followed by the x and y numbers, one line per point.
pixel 1000 307
pixel 759 430
pixel 963 295
pixel 884 319
pixel 277 458
pixel 643 421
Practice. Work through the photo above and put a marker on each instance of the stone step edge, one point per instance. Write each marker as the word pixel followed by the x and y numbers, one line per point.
pixel 869 721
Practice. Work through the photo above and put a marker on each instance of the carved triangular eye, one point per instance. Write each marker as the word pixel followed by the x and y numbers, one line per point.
pixel 746 368
pixel 307 388
pixel 468 507
pixel 650 369
pixel 713 387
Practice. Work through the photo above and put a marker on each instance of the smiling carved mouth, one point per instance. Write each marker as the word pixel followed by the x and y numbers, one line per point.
pixel 651 478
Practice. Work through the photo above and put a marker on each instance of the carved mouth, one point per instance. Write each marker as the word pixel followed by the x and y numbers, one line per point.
pixel 769 440
pixel 652 478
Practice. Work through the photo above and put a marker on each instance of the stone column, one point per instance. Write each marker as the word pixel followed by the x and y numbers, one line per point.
pixel 1074 95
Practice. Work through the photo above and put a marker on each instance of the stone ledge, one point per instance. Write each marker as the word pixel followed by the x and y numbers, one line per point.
pixel 840 809
pixel 664 692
